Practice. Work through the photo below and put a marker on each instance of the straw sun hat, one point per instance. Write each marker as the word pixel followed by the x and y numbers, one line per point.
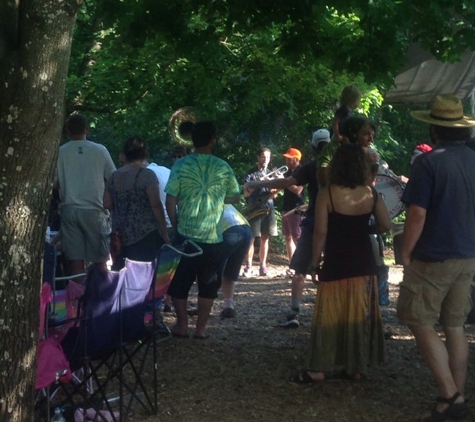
pixel 446 110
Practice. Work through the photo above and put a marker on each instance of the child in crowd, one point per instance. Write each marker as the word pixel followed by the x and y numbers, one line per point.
pixel 349 100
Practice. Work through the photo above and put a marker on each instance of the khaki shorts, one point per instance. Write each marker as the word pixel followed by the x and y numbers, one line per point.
pixel 264 226
pixel 433 290
pixel 85 234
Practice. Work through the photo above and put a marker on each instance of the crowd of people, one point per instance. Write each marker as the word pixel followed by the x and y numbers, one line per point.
pixel 330 237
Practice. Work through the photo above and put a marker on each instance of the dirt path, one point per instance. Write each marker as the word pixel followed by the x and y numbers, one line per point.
pixel 241 373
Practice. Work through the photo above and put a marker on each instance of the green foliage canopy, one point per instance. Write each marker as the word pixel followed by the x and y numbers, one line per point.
pixel 265 72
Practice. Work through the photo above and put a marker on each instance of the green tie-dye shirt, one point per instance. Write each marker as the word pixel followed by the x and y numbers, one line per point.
pixel 201 182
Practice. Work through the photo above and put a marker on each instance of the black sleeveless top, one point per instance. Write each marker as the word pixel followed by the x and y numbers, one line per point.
pixel 348 251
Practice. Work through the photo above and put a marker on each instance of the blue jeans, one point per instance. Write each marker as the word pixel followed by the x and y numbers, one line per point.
pixel 236 242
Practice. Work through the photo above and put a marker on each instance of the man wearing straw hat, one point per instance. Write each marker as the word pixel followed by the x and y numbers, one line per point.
pixel 439 251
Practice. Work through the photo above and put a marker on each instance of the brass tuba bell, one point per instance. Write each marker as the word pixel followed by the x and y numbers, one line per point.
pixel 180 124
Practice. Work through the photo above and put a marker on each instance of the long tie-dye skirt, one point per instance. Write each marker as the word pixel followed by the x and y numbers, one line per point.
pixel 346 331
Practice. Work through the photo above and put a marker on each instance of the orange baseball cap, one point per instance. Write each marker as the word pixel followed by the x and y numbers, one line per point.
pixel 293 153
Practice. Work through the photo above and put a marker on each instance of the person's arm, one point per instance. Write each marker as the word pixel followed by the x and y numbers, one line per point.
pixel 324 162
pixel 108 201
pixel 415 220
pixel 336 129
pixel 153 194
pixel 383 221
pixel 322 175
pixel 295 189
pixel 109 166
pixel 320 230
pixel 271 184
pixel 171 203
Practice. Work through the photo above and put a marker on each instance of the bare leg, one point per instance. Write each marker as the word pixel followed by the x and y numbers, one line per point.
pixel 204 309
pixel 295 240
pixel 250 253
pixel 289 246
pixel 181 325
pixel 263 250
pixel 76 266
pixel 457 347
pixel 167 300
pixel 227 286
pixel 298 283
pixel 436 355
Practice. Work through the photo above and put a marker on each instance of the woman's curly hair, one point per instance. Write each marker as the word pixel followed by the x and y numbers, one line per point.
pixel 350 167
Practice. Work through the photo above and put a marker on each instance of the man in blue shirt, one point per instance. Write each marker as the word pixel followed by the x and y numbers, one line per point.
pixel 439 251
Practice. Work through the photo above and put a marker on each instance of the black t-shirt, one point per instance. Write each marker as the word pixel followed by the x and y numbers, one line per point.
pixel 306 174
pixel 292 200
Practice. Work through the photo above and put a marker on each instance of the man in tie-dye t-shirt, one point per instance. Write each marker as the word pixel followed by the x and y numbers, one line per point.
pixel 199 186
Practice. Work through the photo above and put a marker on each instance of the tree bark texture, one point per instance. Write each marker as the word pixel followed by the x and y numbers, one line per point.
pixel 35 42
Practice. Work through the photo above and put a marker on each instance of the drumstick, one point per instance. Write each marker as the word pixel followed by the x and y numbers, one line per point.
pixel 299 208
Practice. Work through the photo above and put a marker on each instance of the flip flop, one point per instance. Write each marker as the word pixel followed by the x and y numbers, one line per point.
pixel 304 378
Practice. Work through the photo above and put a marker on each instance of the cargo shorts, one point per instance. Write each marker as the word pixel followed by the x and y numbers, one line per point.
pixel 432 291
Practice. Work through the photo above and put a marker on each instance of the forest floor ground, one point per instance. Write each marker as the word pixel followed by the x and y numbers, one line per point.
pixel 242 371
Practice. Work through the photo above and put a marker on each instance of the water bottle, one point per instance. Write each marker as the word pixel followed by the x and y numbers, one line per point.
pixel 58 415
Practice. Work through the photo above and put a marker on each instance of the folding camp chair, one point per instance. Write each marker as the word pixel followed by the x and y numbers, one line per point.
pixel 131 314
pixel 137 305
pixel 52 364
pixel 112 341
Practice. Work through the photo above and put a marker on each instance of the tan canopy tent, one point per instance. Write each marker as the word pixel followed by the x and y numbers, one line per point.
pixel 423 77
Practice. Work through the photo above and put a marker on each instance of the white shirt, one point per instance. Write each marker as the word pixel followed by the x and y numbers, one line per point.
pixel 163 174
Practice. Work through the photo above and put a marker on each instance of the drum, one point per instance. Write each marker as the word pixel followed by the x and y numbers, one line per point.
pixel 390 189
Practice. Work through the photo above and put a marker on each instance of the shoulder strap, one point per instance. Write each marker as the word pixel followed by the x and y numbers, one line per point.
pixel 132 188
pixel 331 199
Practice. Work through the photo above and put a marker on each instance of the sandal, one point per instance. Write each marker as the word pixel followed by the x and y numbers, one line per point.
pixel 454 411
pixel 343 375
pixel 303 377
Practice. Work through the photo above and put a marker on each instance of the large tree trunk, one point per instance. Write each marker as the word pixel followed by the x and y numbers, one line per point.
pixel 35 41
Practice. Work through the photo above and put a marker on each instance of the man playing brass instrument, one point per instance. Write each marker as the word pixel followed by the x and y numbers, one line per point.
pixel 302 257
pixel 265 224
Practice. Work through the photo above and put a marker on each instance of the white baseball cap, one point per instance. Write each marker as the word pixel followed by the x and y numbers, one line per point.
pixel 321 135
